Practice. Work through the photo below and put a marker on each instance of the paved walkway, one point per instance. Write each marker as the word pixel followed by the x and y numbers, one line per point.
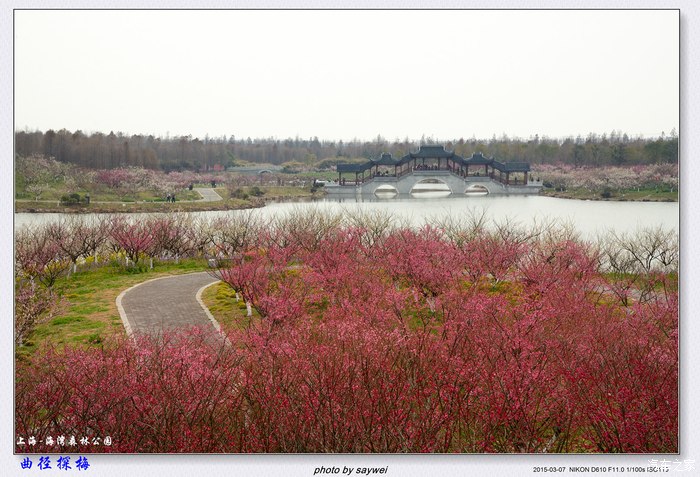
pixel 208 195
pixel 166 303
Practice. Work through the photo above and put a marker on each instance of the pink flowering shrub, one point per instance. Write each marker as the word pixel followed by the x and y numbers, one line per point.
pixel 34 304
pixel 408 341
pixel 170 394
pixel 128 181
pixel 134 238
pixel 617 178
pixel 38 256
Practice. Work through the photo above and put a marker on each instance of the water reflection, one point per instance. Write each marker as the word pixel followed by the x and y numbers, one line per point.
pixel 430 194
pixel 386 191
pixel 588 217
pixel 430 189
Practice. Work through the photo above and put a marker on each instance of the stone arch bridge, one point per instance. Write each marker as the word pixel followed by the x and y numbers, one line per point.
pixel 458 185
pixel 434 165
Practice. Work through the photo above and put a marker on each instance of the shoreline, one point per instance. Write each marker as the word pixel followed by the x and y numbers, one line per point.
pixel 29 207
pixel 130 208
pixel 598 198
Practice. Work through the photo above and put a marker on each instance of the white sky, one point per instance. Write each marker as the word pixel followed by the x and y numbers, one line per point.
pixel 347 74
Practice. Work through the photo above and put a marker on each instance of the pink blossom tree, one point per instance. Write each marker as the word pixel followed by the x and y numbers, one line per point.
pixel 418 340
pixel 38 256
pixel 136 239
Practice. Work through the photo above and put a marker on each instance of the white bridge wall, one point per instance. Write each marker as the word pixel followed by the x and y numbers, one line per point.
pixel 457 184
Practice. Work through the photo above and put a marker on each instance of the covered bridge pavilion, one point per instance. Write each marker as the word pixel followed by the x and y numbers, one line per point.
pixel 434 158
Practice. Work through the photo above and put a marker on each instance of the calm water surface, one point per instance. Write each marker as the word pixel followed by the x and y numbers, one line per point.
pixel 588 217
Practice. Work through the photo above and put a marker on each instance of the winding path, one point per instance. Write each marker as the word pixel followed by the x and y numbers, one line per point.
pixel 208 194
pixel 167 303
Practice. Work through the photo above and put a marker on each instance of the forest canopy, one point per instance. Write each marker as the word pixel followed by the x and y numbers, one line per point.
pixel 106 151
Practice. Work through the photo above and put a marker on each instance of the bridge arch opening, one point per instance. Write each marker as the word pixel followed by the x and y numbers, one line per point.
pixel 386 191
pixel 476 190
pixel 430 189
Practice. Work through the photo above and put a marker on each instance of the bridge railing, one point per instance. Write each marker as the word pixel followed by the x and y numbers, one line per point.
pixel 403 172
pixel 439 171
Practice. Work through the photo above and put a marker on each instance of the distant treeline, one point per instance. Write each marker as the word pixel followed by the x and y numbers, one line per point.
pixel 106 151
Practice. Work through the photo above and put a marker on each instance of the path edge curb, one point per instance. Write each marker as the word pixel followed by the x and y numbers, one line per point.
pixel 198 297
pixel 120 308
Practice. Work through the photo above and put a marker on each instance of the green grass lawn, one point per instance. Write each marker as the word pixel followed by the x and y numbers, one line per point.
pixel 89 311
pixel 231 314
pixel 649 195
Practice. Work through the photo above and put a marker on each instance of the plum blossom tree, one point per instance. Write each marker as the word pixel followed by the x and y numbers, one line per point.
pixel 38 256
pixel 383 339
pixel 78 237
pixel 34 305
pixel 171 235
pixel 136 239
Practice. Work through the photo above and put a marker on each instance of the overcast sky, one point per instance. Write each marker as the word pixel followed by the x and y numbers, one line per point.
pixel 348 74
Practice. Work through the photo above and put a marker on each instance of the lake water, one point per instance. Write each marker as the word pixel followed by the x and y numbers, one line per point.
pixel 588 217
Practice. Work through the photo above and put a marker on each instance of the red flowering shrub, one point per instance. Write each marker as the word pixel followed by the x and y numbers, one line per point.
pixel 171 394
pixel 407 341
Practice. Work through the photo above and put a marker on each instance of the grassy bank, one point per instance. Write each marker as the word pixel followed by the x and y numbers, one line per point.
pixel 247 198
pixel 641 195
pixel 132 207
